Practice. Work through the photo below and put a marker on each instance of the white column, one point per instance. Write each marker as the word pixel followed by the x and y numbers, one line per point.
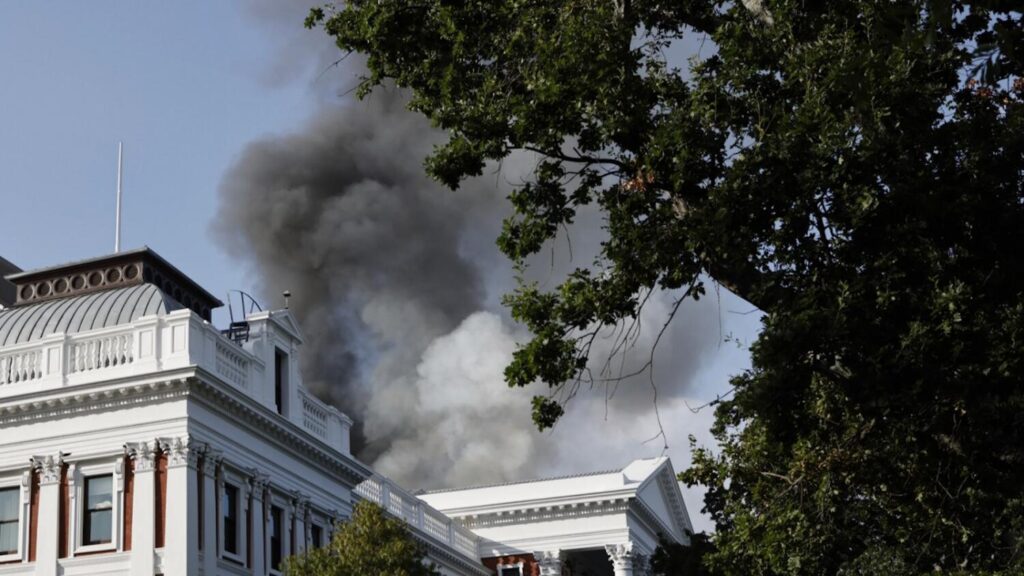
pixel 143 509
pixel 621 556
pixel 211 523
pixel 26 512
pixel 259 527
pixel 49 515
pixel 181 555
pixel 549 561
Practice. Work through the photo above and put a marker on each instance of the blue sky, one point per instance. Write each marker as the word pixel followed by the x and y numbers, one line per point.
pixel 185 85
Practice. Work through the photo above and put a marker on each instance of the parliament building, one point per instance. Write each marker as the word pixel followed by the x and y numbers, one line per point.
pixel 136 438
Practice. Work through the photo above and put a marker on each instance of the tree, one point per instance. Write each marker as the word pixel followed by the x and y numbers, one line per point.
pixel 853 168
pixel 370 543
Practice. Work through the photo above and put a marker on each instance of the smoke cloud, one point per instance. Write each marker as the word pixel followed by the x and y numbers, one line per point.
pixel 396 282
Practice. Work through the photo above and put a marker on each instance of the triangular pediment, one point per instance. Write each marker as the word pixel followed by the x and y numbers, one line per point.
pixel 287 322
pixel 661 496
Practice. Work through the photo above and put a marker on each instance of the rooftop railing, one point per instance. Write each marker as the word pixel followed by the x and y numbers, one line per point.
pixel 419 515
pixel 151 344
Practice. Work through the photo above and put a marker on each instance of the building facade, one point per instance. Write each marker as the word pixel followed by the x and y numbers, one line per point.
pixel 136 438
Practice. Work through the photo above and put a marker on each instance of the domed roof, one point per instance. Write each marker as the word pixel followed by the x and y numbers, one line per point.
pixel 83 313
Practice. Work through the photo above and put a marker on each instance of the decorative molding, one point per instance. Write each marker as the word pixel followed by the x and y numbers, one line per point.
pixel 49 468
pixel 287 433
pixel 549 561
pixel 180 451
pixel 96 401
pixel 546 513
pixel 284 431
pixel 142 454
pixel 621 556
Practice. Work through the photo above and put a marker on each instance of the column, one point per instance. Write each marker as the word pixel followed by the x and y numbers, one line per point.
pixel 143 455
pixel 181 556
pixel 549 561
pixel 621 556
pixel 260 514
pixel 211 523
pixel 301 524
pixel 49 514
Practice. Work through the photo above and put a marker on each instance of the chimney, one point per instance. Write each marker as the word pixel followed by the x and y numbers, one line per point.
pixel 7 292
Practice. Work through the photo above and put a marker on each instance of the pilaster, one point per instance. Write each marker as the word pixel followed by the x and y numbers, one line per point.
pixel 49 513
pixel 143 456
pixel 181 556
pixel 259 484
pixel 211 522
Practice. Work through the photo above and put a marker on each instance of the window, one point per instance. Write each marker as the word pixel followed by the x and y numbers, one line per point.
pixel 276 541
pixel 229 516
pixel 316 536
pixel 9 502
pixel 516 570
pixel 280 379
pixel 97 520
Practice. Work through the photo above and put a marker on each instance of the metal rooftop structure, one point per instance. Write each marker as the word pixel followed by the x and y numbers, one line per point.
pixel 120 270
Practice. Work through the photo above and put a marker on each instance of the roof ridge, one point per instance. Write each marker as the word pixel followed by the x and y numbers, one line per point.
pixel 514 482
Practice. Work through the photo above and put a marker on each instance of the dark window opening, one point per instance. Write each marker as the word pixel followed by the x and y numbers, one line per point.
pixel 276 541
pixel 229 510
pixel 280 379
pixel 316 535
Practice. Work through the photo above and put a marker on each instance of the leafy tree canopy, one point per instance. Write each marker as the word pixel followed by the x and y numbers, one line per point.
pixel 369 543
pixel 854 168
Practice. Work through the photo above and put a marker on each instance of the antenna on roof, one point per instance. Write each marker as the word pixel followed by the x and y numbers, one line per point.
pixel 117 218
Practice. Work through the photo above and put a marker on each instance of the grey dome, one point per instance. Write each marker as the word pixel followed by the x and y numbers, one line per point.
pixel 83 313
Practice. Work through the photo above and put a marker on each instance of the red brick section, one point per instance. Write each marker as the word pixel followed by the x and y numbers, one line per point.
pixel 129 501
pixel 530 567
pixel 160 527
pixel 65 513
pixel 33 517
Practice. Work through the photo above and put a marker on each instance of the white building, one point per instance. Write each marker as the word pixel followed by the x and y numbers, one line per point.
pixel 136 438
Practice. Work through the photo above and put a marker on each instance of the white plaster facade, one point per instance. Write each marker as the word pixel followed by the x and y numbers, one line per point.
pixel 187 425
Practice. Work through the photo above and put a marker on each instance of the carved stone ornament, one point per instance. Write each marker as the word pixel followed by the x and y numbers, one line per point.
pixel 211 461
pixel 180 451
pixel 143 455
pixel 549 561
pixel 49 468
pixel 621 556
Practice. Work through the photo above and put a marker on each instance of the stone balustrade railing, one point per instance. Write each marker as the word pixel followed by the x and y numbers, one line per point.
pixel 178 340
pixel 418 515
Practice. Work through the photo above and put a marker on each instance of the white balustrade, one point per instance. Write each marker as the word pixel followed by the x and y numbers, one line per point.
pixel 231 363
pixel 418 514
pixel 314 416
pixel 107 351
pixel 21 366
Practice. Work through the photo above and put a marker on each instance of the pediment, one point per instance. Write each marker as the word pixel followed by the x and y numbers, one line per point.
pixel 287 322
pixel 661 495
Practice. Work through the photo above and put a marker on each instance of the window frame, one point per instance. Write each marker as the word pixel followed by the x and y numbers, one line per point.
pixel 280 539
pixel 238 481
pixel 518 566
pixel 77 475
pixel 281 380
pixel 284 503
pixel 314 525
pixel 16 482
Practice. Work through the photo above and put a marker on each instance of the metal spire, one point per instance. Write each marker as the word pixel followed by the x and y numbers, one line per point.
pixel 117 221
